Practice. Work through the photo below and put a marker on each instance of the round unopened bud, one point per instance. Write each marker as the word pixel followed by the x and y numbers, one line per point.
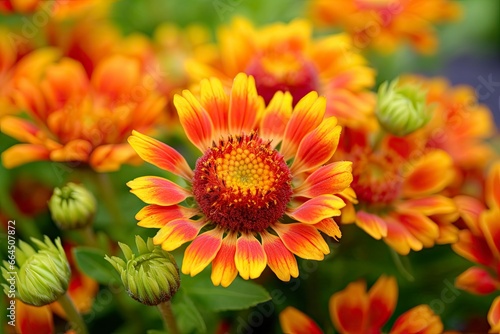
pixel 72 207
pixel 401 109
pixel 42 276
pixel 150 277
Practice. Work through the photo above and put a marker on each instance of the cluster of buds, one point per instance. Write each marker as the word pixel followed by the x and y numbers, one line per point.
pixel 72 207
pixel 150 277
pixel 42 276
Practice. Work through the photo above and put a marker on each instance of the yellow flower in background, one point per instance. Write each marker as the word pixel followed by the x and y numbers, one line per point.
pixel 260 192
pixel 285 57
pixel 385 24
pixel 357 311
pixel 80 119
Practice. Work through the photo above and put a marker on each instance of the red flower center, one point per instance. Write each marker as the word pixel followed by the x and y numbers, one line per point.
pixel 242 184
pixel 285 72
pixel 377 178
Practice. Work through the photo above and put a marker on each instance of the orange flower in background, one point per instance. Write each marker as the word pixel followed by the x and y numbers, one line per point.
pixel 75 118
pixel 459 125
pixel 55 8
pixel 356 311
pixel 395 193
pixel 254 204
pixel 480 243
pixel 385 24
pixel 284 57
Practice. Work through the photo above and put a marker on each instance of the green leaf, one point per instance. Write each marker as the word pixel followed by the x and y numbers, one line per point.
pixel 238 296
pixel 187 314
pixel 91 261
pixel 155 331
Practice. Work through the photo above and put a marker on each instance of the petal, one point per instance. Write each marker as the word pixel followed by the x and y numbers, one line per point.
pixel 329 227
pixel 399 238
pixel 316 209
pixel 428 175
pixel 109 158
pixel 33 319
pixel 157 190
pixel 201 251
pixel 279 258
pixel 195 120
pixel 223 267
pixel 160 155
pixel 430 205
pixel 306 116
pixel 20 129
pixel 493 186
pixel 476 280
pixel 383 297
pixel 21 154
pixel 489 222
pixel 74 150
pixel 470 209
pixel 317 147
pixel 330 179
pixel 420 226
pixel 177 232
pixel 116 76
pixel 250 258
pixel 372 224
pixel 245 106
pixel 302 240
pixel 276 117
pixel 156 216
pixel 420 319
pixel 295 322
pixel 494 315
pixel 216 102
pixel 473 248
pixel 349 309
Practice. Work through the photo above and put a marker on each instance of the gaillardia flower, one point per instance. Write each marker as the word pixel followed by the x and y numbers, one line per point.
pixel 261 190
pixel 286 57
pixel 80 119
pixel 356 311
pixel 480 243
pixel 385 24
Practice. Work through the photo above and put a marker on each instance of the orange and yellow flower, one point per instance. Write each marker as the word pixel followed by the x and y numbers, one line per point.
pixel 54 8
pixel 385 24
pixel 396 192
pixel 80 119
pixel 284 57
pixel 459 125
pixel 480 243
pixel 260 192
pixel 356 311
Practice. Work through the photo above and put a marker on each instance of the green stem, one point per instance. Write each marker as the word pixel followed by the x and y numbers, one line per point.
pixel 168 317
pixel 400 266
pixel 74 317
pixel 378 139
pixel 88 236
pixel 105 189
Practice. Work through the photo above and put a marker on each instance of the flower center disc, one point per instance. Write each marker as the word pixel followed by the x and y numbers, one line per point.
pixel 242 184
pixel 377 179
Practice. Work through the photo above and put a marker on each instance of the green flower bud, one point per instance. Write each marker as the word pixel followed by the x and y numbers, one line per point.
pixel 72 207
pixel 150 277
pixel 42 276
pixel 401 109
